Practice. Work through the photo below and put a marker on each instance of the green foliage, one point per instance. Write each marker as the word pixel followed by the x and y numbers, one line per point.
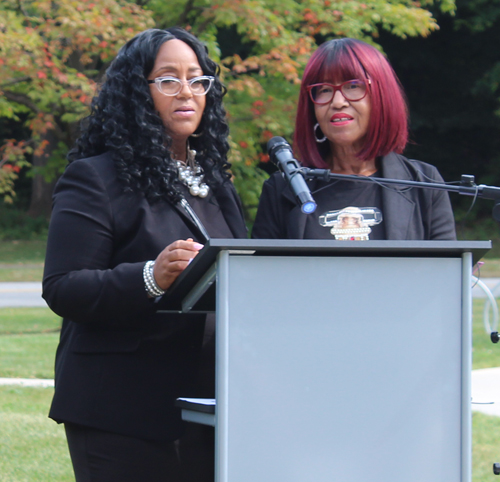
pixel 23 251
pixel 478 15
pixel 263 46
pixel 51 55
pixel 451 80
pixel 16 224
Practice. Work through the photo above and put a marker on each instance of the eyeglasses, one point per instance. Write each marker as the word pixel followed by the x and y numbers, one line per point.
pixel 172 85
pixel 352 90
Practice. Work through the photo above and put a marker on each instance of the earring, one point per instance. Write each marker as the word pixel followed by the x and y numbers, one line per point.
pixel 323 139
pixel 197 135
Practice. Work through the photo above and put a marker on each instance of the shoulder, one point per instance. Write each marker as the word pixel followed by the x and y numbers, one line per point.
pixel 101 165
pixel 275 186
pixel 97 171
pixel 88 181
pixel 400 167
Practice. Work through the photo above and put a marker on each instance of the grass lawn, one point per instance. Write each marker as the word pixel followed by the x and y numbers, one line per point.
pixel 485 446
pixel 22 260
pixel 485 354
pixel 32 447
pixel 28 340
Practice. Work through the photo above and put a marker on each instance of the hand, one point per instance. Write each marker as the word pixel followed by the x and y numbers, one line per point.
pixel 173 260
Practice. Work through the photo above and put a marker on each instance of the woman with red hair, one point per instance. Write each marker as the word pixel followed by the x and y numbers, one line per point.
pixel 352 118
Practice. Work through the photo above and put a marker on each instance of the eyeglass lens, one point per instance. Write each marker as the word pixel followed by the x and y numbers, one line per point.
pixel 198 86
pixel 352 90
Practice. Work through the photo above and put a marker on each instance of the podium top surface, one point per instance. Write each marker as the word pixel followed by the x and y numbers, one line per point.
pixel 299 247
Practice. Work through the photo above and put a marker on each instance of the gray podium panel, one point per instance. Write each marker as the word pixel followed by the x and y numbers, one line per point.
pixel 350 371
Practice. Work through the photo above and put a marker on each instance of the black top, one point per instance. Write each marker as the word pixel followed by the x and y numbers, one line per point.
pixel 408 214
pixel 337 195
pixel 209 213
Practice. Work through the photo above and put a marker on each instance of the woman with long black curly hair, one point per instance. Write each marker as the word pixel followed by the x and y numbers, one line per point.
pixel 147 183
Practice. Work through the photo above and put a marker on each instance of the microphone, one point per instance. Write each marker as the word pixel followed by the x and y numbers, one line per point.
pixel 281 155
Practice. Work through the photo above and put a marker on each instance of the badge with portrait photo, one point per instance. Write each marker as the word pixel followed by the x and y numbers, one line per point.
pixel 351 223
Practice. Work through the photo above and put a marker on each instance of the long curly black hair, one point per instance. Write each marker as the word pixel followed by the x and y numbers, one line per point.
pixel 123 121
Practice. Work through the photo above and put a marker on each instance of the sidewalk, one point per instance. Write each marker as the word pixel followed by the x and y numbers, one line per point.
pixel 21 294
pixel 486 391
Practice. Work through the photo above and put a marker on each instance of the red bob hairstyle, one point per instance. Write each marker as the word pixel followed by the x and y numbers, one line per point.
pixel 344 59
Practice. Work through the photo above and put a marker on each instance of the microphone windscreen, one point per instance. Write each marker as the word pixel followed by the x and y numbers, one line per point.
pixel 276 142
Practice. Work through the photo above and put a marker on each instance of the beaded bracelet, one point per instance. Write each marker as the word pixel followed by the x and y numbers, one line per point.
pixel 152 289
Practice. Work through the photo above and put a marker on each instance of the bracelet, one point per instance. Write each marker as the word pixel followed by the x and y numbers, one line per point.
pixel 152 289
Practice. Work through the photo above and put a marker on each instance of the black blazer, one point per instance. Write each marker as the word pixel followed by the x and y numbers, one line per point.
pixel 416 214
pixel 119 364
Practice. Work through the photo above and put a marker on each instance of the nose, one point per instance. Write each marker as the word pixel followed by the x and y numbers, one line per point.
pixel 185 91
pixel 339 100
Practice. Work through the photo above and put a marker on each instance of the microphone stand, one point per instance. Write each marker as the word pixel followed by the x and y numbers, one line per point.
pixel 467 186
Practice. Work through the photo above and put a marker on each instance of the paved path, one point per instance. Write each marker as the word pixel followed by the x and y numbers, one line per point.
pixel 486 390
pixel 491 283
pixel 21 294
pixel 27 382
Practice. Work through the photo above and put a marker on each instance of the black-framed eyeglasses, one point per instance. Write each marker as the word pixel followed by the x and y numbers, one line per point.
pixel 352 90
pixel 172 85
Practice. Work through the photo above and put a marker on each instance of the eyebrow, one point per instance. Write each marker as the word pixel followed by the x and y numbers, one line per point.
pixel 173 68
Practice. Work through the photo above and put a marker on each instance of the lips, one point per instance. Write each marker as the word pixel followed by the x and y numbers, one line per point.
pixel 184 109
pixel 339 118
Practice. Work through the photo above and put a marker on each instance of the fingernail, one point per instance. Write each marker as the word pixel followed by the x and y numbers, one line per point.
pixel 189 262
pixel 197 246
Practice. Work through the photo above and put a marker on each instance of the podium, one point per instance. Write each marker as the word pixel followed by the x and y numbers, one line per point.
pixel 337 360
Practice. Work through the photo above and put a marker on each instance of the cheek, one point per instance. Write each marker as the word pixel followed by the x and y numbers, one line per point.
pixel 160 101
pixel 153 91
pixel 202 104
pixel 319 113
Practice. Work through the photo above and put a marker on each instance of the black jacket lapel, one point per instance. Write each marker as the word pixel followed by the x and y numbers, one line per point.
pixel 398 208
pixel 230 206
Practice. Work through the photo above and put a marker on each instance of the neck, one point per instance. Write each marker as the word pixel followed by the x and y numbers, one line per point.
pixel 179 150
pixel 345 161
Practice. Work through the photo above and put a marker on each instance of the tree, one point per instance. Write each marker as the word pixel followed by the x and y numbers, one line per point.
pixel 51 54
pixel 452 80
pixel 263 46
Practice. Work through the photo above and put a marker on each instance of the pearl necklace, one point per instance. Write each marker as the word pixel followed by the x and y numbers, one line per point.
pixel 191 175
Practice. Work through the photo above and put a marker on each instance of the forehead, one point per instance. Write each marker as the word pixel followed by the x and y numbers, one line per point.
pixel 340 66
pixel 175 56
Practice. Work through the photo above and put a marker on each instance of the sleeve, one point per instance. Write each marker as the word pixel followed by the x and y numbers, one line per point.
pixel 441 219
pixel 79 282
pixel 269 221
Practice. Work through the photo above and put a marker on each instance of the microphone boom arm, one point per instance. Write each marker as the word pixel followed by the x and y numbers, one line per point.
pixel 467 187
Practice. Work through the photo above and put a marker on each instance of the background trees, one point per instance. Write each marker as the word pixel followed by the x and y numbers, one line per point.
pixel 452 81
pixel 53 53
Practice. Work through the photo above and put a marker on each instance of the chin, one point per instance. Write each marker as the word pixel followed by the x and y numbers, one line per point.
pixel 181 133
